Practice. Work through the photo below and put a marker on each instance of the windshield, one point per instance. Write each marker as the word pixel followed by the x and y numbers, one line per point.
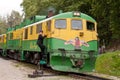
pixel 76 24
pixel 61 23
pixel 90 26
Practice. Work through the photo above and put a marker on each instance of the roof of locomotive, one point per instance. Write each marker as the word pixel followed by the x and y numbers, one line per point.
pixel 70 15
pixel 65 15
pixel 62 16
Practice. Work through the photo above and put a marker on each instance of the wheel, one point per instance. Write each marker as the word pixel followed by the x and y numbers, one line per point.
pixel 15 56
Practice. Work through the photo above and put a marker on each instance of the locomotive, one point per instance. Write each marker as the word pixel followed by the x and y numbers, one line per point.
pixel 71 42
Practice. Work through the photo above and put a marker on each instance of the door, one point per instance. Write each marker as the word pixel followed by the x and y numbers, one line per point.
pixel 47 31
pixel 91 35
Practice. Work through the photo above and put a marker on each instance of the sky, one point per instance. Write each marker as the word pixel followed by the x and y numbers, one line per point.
pixel 6 6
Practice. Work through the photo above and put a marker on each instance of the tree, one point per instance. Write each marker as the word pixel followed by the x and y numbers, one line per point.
pixel 34 7
pixel 10 21
pixel 107 15
pixel 14 19
pixel 3 25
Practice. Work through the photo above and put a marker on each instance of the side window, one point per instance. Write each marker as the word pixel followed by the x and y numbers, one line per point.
pixel 26 33
pixel 38 28
pixel 3 38
pixel 61 23
pixel 49 25
pixel 31 30
pixel 8 36
pixel 76 24
pixel 90 26
pixel 11 36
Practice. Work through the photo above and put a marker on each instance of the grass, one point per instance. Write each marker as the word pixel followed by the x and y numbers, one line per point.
pixel 109 63
pixel 31 66
pixel 16 65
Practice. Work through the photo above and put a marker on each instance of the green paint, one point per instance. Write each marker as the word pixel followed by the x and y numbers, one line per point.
pixel 58 62
pixel 22 57
pixel 3 48
pixel 70 15
pixel 64 64
pixel 1 45
pixel 30 45
pixel 55 44
pixel 58 43
pixel 93 45
pixel 14 44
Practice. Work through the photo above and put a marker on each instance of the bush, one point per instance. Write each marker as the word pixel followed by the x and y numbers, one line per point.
pixel 109 63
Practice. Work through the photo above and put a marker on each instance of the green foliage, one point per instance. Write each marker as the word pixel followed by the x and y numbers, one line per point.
pixel 109 63
pixel 71 5
pixel 10 21
pixel 3 25
pixel 14 19
pixel 41 6
pixel 107 15
pixel 34 7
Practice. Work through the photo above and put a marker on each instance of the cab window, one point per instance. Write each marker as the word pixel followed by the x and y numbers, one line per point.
pixel 76 24
pixel 61 23
pixel 31 30
pixel 38 28
pixel 26 33
pixel 3 38
pixel 10 36
pixel 49 25
pixel 90 26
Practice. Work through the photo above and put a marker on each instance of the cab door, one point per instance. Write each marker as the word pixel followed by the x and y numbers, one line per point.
pixel 46 27
pixel 91 29
pixel 91 35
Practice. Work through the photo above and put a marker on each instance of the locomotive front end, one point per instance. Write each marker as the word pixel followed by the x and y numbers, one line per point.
pixel 74 42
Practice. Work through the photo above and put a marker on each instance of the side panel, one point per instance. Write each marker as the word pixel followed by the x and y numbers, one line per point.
pixel 30 45
pixel 14 44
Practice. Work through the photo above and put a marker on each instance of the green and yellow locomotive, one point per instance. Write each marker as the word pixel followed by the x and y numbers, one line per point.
pixel 71 43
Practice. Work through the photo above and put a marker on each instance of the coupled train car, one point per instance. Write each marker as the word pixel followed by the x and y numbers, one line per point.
pixel 71 42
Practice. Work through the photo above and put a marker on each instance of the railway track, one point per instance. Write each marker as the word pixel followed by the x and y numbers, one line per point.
pixel 86 76
pixel 74 76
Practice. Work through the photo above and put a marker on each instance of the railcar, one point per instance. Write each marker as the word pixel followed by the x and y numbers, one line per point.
pixel 2 44
pixel 71 43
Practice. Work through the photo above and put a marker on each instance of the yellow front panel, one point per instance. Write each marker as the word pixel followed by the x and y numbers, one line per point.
pixel 69 33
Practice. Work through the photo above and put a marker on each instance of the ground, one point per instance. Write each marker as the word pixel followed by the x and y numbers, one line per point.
pixel 14 70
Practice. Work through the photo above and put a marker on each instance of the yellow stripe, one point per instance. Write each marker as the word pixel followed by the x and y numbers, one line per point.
pixel 65 34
